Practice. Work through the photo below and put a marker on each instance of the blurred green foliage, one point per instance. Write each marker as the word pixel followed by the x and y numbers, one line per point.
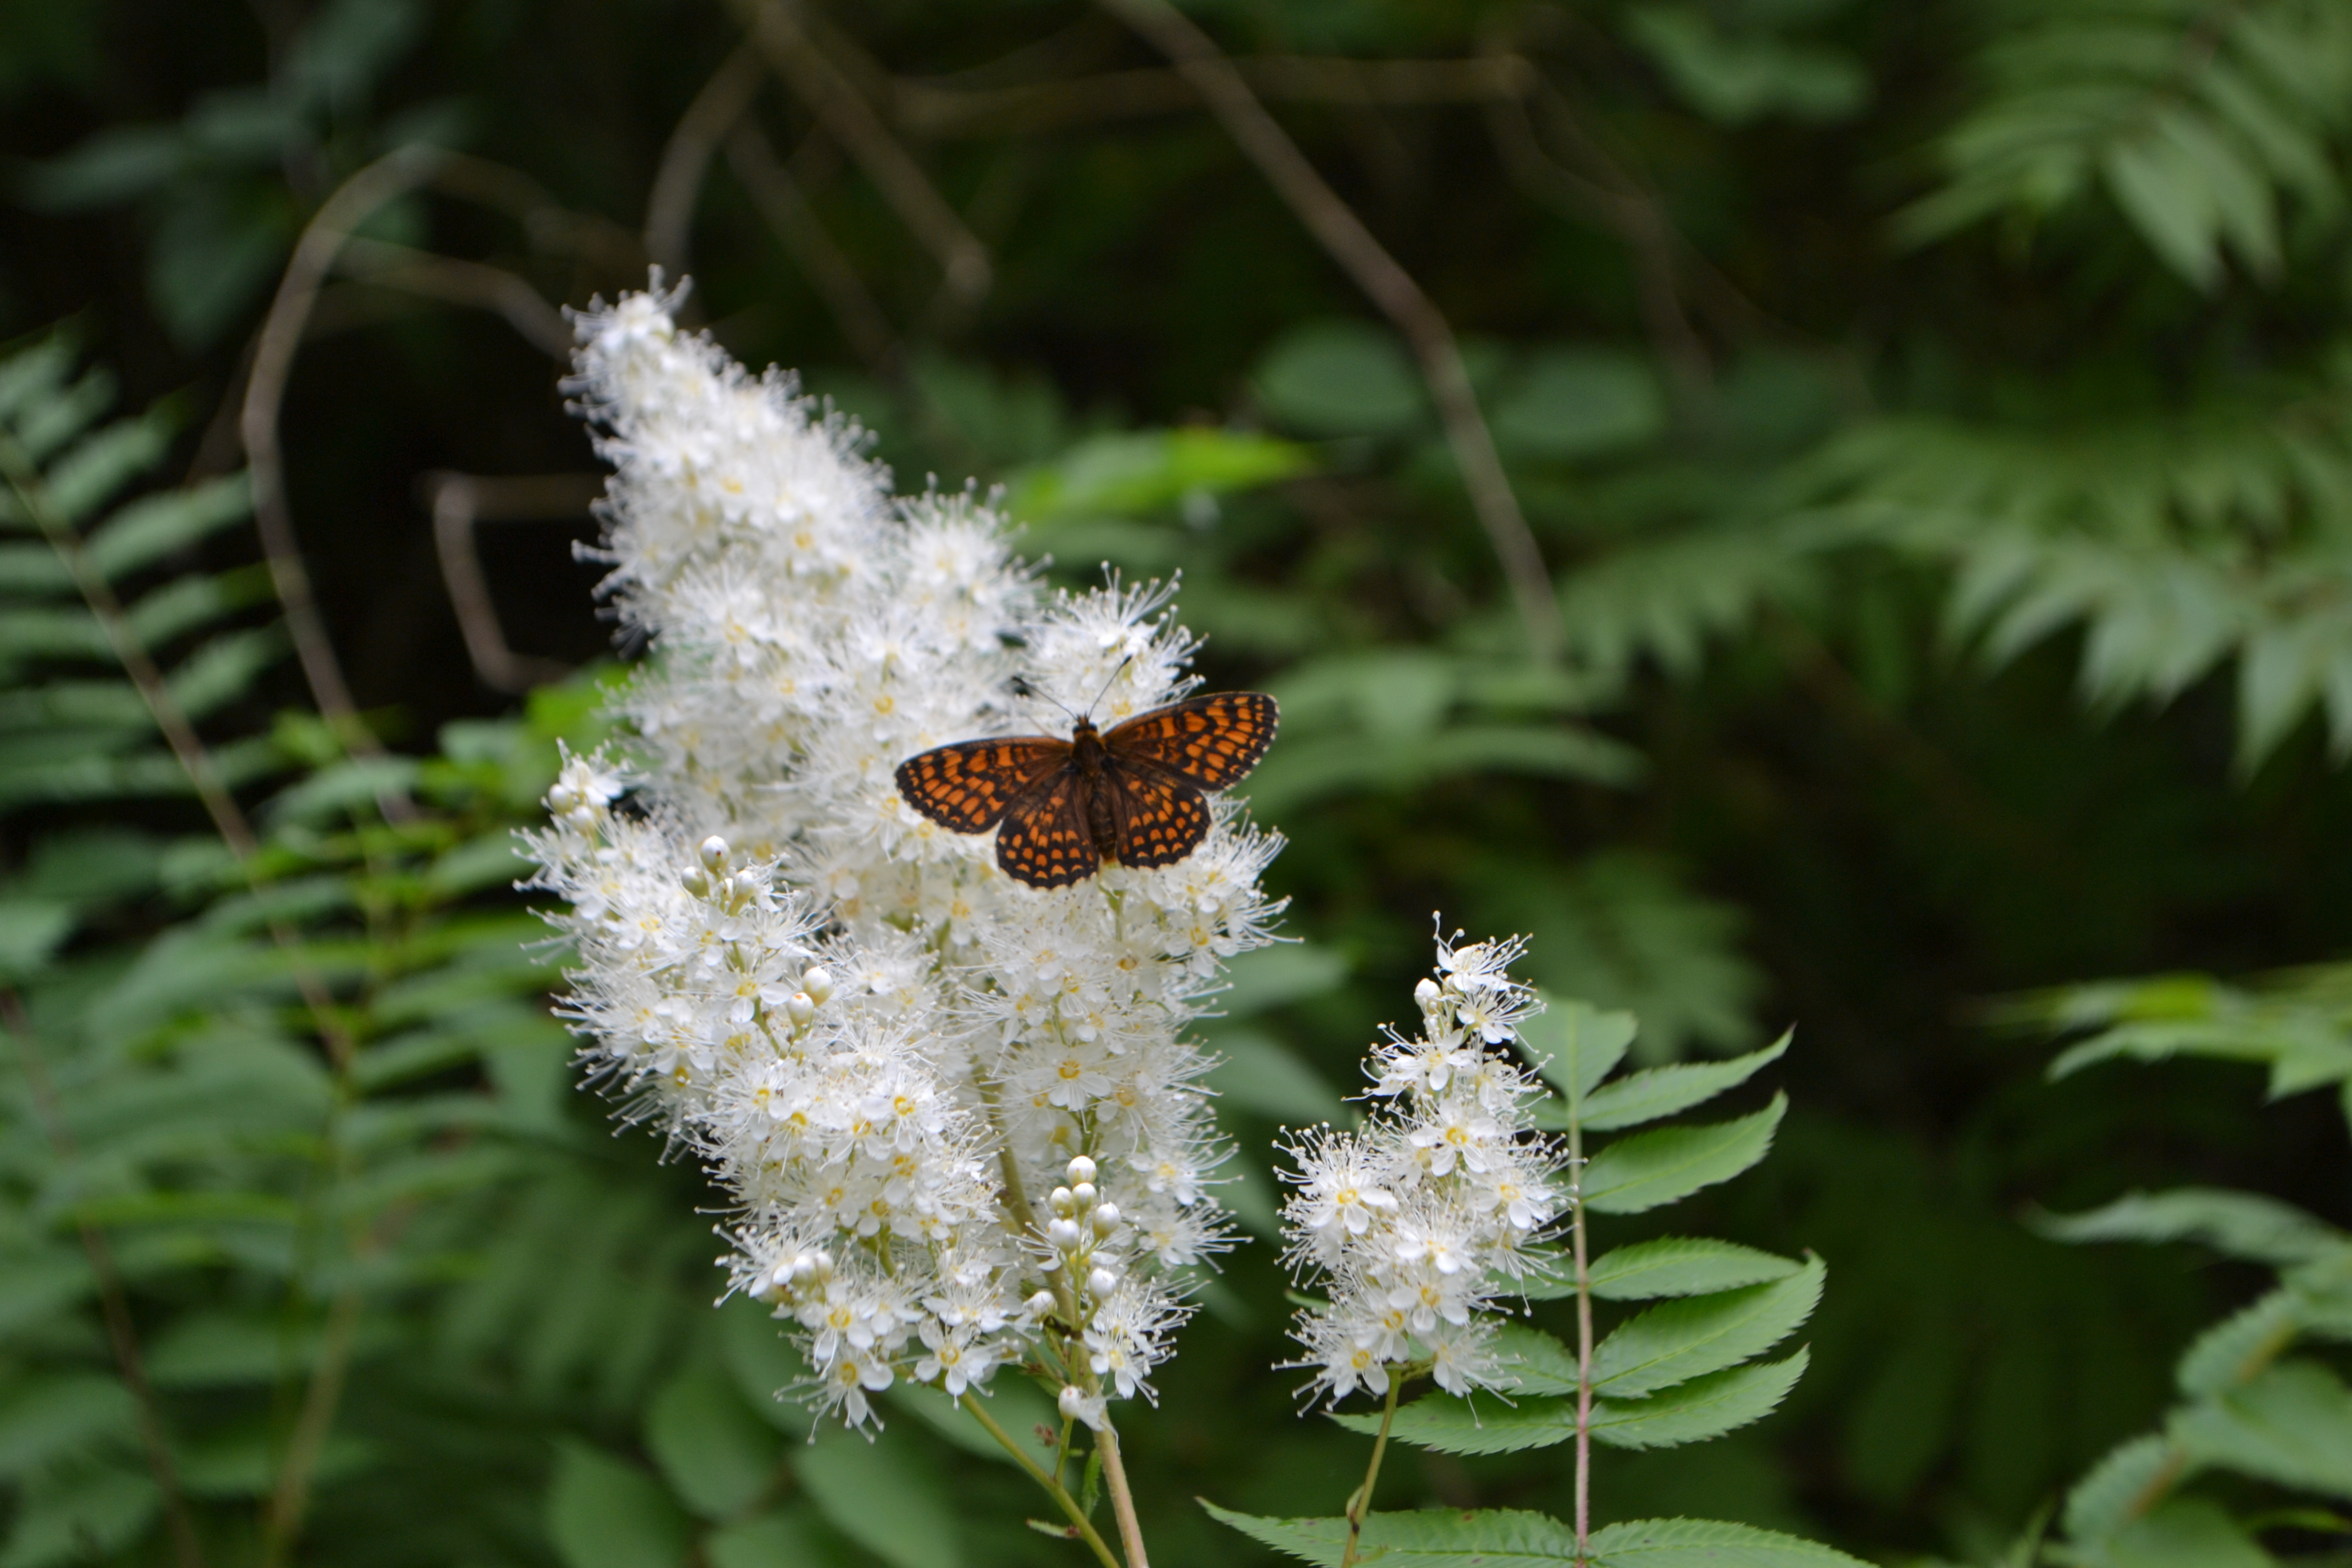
pixel 1937 415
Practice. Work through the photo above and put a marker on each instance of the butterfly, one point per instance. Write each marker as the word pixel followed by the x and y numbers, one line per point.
pixel 1132 794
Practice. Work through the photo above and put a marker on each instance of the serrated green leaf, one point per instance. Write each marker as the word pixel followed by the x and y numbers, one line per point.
pixel 60 1417
pixel 1574 1045
pixel 884 1497
pixel 1656 1092
pixel 1689 1338
pixel 1702 1408
pixel 79 1514
pixel 1482 1423
pixel 2185 1532
pixel 1649 1170
pixel 1708 1543
pixel 1429 1538
pixel 603 1513
pixel 717 1454
pixel 145 530
pixel 2237 1348
pixel 1683 1266
pixel 1539 1364
pixel 2292 1424
pixel 2237 1224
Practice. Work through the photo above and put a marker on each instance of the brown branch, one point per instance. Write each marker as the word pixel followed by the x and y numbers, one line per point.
pixel 114 1304
pixel 385 180
pixel 460 500
pixel 686 159
pixel 787 213
pixel 456 282
pixel 777 27
pixel 1343 234
pixel 927 109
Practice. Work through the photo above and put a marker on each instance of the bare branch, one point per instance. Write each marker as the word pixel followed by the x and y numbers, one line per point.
pixel 677 184
pixel 797 228
pixel 777 27
pixel 456 282
pixel 458 502
pixel 1343 234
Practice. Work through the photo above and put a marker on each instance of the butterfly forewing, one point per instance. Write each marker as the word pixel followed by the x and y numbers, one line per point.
pixel 1045 841
pixel 968 786
pixel 1210 741
pixel 1155 821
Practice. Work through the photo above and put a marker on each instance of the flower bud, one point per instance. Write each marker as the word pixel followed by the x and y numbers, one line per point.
pixel 1082 1170
pixel 818 984
pixel 1073 1400
pixel 562 798
pixel 582 818
pixel 1042 1304
pixel 694 882
pixel 714 852
pixel 799 1009
pixel 1062 1200
pixel 1083 1195
pixel 1102 1282
pixel 1427 992
pixel 1063 1233
pixel 1105 1219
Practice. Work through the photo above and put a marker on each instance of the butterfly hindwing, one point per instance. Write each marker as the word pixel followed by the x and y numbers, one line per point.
pixel 1208 741
pixel 1155 821
pixel 968 786
pixel 1046 841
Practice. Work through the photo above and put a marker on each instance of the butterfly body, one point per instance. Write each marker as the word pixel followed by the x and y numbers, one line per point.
pixel 1134 794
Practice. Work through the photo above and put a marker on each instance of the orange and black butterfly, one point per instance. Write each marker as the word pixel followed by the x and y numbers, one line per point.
pixel 1132 794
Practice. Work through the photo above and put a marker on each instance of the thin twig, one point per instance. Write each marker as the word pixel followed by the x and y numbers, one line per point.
pixel 776 26
pixel 686 159
pixel 458 502
pixel 929 109
pixel 1343 234
pixel 457 282
pixel 1053 1489
pixel 1122 1498
pixel 1359 1507
pixel 114 1305
pixel 388 178
pixel 795 223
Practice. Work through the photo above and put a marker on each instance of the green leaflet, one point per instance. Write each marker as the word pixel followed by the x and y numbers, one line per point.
pixel 605 1513
pixel 1701 1409
pixel 2131 1473
pixel 1649 1170
pixel 2185 1532
pixel 717 1454
pixel 1707 1543
pixel 1682 1266
pixel 1656 1092
pixel 2240 1345
pixel 2292 1424
pixel 1574 1045
pixel 1428 1538
pixel 1687 1339
pixel 2239 1225
pixel 883 1496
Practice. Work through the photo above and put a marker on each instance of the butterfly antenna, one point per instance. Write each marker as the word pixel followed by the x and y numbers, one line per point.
pixel 1108 684
pixel 1023 687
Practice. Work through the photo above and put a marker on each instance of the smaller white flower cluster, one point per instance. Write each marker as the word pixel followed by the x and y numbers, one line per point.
pixel 1421 1220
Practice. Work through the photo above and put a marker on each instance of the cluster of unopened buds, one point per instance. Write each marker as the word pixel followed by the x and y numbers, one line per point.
pixel 1082 1225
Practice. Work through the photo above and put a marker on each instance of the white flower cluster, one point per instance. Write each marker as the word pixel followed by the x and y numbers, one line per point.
pixel 1421 1219
pixel 958 1115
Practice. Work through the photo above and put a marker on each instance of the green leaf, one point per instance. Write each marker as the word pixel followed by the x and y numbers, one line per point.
pixel 1342 378
pixel 1540 1363
pixel 1682 1266
pixel 1702 1408
pixel 1012 1402
pixel 60 1416
pixel 2240 1345
pixel 1277 976
pixel 2130 1477
pixel 1648 1170
pixel 1682 1340
pixel 602 1513
pixel 786 1538
pixel 1707 1543
pixel 79 1516
pixel 1574 1045
pixel 1258 1073
pixel 2236 1225
pixel 1572 402
pixel 2292 1424
pixel 1657 1092
pixel 717 1454
pixel 884 1497
pixel 2185 1532
pixel 31 930
pixel 1430 1538
pixel 145 530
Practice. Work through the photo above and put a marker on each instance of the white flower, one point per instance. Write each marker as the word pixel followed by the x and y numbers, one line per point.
pixel 847 1014
pixel 1419 1221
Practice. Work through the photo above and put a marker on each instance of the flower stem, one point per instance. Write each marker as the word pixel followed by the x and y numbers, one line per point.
pixel 1359 1507
pixel 1053 1489
pixel 1122 1501
pixel 1583 1346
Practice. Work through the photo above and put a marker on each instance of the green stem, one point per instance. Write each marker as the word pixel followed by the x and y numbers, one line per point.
pixel 1053 1489
pixel 1583 1345
pixel 1360 1508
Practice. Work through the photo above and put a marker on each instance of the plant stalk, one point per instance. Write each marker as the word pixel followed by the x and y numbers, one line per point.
pixel 1053 1489
pixel 1583 1345
pixel 1122 1501
pixel 1360 1508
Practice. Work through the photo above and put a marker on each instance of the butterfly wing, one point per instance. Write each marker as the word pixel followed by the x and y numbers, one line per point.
pixel 1208 741
pixel 1155 820
pixel 968 786
pixel 1045 841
